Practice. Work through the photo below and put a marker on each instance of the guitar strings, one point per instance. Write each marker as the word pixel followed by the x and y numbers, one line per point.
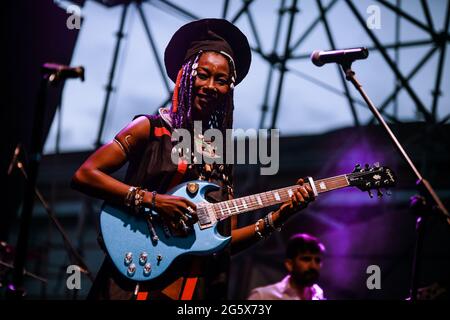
pixel 231 207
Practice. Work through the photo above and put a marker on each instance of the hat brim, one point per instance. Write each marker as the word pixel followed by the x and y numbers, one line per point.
pixel 174 55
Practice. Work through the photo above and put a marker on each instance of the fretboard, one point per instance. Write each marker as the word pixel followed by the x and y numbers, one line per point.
pixel 261 200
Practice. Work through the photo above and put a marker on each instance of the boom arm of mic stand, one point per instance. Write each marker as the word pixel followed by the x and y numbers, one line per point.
pixel 425 188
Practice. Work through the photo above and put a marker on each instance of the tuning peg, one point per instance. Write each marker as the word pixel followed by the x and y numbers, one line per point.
pixel 376 164
pixel 357 168
pixel 370 193
pixel 379 193
pixel 388 192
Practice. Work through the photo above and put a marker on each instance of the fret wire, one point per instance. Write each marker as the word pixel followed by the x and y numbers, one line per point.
pixel 330 185
pixel 339 178
pixel 333 184
pixel 334 181
pixel 242 209
pixel 253 205
pixel 250 207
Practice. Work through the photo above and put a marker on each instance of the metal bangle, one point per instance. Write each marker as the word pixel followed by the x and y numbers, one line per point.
pixel 257 231
pixel 121 146
pixel 271 223
pixel 129 198
pixel 267 227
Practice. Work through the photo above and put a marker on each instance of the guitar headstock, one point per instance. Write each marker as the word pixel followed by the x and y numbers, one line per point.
pixel 372 178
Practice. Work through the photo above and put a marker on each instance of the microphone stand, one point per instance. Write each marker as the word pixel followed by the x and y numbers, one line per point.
pixel 80 261
pixel 15 289
pixel 428 201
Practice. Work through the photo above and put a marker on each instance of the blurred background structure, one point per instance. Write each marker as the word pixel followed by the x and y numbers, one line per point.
pixel 325 126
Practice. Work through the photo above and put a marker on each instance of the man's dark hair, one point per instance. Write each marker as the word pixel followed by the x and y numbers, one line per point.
pixel 301 243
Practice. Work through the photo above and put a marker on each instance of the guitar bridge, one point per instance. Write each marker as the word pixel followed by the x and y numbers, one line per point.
pixel 206 216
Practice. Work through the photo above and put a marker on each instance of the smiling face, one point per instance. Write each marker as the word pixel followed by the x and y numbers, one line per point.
pixel 212 84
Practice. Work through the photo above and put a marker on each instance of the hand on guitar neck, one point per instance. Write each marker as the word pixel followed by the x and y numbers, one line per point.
pixel 299 200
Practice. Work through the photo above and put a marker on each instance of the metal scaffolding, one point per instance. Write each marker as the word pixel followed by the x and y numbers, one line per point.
pixel 436 42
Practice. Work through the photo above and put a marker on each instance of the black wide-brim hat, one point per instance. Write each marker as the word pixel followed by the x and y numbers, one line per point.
pixel 208 35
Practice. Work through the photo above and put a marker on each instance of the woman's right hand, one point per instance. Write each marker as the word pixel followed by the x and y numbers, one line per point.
pixel 174 209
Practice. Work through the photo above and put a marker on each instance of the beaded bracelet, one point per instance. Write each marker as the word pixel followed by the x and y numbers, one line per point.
pixel 135 198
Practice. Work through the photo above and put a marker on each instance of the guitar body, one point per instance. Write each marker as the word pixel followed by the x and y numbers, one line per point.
pixel 124 233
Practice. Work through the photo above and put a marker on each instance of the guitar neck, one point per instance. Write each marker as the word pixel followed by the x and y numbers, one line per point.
pixel 266 199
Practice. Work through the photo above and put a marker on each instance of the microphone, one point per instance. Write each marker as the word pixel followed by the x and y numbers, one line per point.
pixel 14 159
pixel 60 71
pixel 319 58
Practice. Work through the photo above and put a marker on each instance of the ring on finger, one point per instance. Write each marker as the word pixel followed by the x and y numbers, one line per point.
pixel 191 211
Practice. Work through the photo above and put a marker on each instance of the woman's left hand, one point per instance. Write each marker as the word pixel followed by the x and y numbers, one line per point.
pixel 300 199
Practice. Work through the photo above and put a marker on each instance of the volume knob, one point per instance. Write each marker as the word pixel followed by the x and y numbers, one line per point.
pixel 128 258
pixel 131 269
pixel 147 269
pixel 143 258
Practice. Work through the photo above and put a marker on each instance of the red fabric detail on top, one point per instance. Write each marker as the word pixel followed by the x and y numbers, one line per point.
pixel 160 131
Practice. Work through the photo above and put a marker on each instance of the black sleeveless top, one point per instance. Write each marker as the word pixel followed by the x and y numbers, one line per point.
pixel 152 168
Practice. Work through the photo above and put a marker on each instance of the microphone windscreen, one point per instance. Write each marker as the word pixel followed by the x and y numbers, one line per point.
pixel 315 58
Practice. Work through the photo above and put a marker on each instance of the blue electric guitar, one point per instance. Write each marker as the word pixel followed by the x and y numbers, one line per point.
pixel 142 247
